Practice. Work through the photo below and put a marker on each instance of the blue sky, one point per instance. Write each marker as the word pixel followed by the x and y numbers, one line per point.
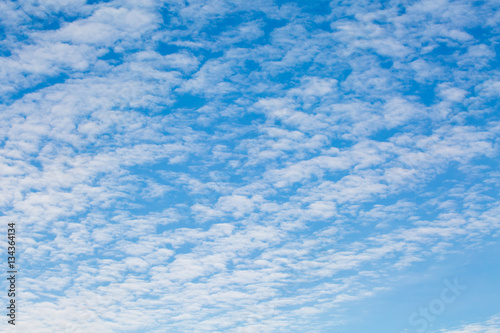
pixel 252 166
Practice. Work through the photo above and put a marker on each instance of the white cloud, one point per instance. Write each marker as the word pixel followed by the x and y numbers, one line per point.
pixel 330 151
pixel 492 325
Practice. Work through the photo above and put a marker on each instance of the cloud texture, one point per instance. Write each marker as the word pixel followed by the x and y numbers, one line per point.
pixel 237 166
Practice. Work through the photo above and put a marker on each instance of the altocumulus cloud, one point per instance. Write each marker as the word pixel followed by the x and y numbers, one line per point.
pixel 263 166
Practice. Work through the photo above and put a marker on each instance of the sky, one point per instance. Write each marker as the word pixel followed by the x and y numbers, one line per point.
pixel 251 166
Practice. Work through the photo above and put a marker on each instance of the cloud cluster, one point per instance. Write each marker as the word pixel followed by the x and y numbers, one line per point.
pixel 235 166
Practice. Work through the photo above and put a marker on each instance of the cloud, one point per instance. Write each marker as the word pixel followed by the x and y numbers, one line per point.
pixel 489 326
pixel 235 166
